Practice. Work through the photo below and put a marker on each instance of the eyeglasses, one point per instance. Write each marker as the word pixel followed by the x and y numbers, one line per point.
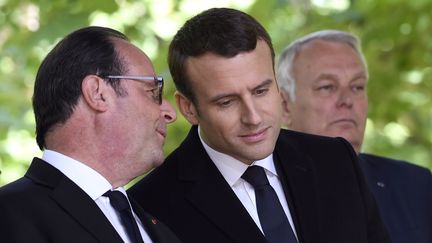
pixel 158 82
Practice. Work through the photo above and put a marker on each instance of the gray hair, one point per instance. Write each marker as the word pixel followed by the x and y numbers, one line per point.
pixel 285 69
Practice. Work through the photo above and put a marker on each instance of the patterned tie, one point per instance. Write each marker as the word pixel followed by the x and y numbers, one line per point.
pixel 120 203
pixel 270 212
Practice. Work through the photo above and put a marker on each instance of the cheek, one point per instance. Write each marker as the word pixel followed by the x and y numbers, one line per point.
pixel 148 111
pixel 363 107
pixel 311 116
pixel 222 121
pixel 314 108
pixel 274 105
pixel 218 124
pixel 322 111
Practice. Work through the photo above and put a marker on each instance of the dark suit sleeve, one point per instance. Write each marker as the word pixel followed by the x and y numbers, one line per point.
pixel 15 227
pixel 403 192
pixel 376 231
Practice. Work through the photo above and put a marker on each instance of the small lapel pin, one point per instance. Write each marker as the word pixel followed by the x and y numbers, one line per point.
pixel 381 184
pixel 154 221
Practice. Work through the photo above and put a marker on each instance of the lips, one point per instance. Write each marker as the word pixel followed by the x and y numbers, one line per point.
pixel 257 136
pixel 161 131
pixel 344 121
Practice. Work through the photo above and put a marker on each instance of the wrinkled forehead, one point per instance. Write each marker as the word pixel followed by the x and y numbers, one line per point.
pixel 328 47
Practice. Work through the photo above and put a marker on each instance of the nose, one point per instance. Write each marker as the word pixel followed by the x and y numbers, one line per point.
pixel 250 114
pixel 168 112
pixel 345 98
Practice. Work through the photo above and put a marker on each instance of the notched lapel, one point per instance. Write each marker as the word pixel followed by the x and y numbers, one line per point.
pixel 74 201
pixel 85 211
pixel 157 231
pixel 298 180
pixel 208 192
pixel 215 199
pixel 390 201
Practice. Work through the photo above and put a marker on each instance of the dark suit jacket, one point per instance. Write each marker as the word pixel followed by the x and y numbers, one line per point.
pixel 327 194
pixel 45 206
pixel 403 193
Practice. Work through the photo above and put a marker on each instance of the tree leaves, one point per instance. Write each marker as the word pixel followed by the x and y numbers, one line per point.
pixel 395 34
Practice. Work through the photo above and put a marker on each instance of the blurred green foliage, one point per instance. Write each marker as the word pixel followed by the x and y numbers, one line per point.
pixel 396 38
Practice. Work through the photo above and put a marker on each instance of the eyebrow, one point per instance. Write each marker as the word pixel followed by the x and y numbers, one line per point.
pixel 361 74
pixel 264 83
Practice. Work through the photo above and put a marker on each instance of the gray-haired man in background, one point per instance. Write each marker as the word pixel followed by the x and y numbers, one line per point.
pixel 323 78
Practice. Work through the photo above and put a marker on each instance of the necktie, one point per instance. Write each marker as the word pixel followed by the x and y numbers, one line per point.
pixel 120 203
pixel 270 212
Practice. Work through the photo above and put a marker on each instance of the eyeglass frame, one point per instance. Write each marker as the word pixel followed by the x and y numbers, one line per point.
pixel 159 81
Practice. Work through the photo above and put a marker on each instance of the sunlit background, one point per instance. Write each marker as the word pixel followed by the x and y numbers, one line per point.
pixel 396 38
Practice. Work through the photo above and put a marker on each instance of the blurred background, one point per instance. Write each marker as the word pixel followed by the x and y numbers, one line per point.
pixel 396 38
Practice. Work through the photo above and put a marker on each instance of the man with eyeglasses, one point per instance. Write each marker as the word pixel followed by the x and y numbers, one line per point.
pixel 101 122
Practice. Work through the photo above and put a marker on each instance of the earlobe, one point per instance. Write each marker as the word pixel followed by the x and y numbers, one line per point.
pixel 286 109
pixel 94 91
pixel 187 108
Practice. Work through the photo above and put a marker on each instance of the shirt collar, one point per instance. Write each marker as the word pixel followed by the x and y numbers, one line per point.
pixel 89 180
pixel 231 168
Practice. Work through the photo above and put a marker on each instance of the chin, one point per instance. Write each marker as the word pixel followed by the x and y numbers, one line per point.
pixel 261 154
pixel 158 162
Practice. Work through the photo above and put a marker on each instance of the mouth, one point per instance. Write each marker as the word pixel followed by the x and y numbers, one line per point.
pixel 344 122
pixel 255 136
pixel 161 132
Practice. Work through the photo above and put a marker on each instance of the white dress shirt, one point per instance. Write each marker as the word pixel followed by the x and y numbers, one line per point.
pixel 95 185
pixel 232 170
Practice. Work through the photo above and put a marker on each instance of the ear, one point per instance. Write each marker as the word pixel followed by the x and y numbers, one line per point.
pixel 286 108
pixel 187 108
pixel 95 92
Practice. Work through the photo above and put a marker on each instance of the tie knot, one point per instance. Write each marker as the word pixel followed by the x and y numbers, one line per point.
pixel 118 200
pixel 256 176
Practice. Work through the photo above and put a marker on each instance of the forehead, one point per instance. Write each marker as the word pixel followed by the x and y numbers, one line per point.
pixel 317 50
pixel 247 66
pixel 135 61
pixel 320 57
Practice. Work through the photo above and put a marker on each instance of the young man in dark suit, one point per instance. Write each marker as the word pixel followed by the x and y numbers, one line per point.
pixel 238 177
pixel 100 119
pixel 323 78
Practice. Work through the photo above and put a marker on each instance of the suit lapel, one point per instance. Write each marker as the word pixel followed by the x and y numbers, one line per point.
pixel 298 181
pixel 74 201
pixel 212 196
pixel 394 213
pixel 148 221
pixel 157 231
pixel 215 199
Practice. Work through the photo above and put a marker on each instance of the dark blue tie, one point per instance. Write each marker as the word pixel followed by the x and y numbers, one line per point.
pixel 120 203
pixel 270 212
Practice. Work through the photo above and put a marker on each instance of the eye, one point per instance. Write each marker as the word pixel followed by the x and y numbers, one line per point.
pixel 155 94
pixel 327 87
pixel 357 88
pixel 225 103
pixel 262 91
